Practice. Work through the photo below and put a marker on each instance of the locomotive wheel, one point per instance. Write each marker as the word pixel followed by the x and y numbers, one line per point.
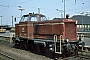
pixel 20 45
pixel 16 44
pixel 26 46
pixel 38 49
pixel 49 53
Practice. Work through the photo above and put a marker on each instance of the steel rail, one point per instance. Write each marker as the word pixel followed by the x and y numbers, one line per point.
pixel 7 56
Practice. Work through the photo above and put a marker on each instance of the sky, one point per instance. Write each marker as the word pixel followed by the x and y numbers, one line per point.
pixel 49 8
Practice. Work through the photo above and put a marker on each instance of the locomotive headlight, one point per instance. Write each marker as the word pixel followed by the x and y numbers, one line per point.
pixel 50 45
pixel 66 40
pixel 51 48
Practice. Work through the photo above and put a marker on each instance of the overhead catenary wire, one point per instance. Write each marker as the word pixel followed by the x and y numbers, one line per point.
pixel 48 9
pixel 3 6
pixel 6 7
pixel 80 8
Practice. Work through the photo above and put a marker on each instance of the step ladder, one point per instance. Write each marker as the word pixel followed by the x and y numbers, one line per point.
pixel 55 44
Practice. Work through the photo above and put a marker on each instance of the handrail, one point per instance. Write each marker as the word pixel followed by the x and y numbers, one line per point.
pixel 78 37
pixel 60 44
pixel 82 37
pixel 55 40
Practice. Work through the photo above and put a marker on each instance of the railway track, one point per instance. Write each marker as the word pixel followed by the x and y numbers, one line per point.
pixel 81 56
pixel 17 54
pixel 5 56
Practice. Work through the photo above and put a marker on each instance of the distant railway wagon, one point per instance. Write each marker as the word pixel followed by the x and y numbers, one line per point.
pixel 2 30
pixel 57 37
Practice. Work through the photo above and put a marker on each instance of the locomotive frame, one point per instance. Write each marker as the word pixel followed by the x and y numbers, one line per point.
pixel 53 38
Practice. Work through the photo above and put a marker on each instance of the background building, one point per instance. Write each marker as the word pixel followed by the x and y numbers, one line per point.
pixel 83 23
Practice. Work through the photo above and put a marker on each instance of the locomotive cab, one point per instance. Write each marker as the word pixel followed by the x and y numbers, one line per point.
pixel 33 17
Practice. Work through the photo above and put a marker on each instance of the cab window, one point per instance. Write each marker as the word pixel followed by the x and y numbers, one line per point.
pixel 43 18
pixel 24 18
pixel 33 18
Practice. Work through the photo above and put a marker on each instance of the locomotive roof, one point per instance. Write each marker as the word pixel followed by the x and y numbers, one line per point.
pixel 49 21
pixel 57 21
pixel 63 19
pixel 33 14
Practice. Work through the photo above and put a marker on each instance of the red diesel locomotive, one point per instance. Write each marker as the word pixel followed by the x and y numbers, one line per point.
pixel 57 37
